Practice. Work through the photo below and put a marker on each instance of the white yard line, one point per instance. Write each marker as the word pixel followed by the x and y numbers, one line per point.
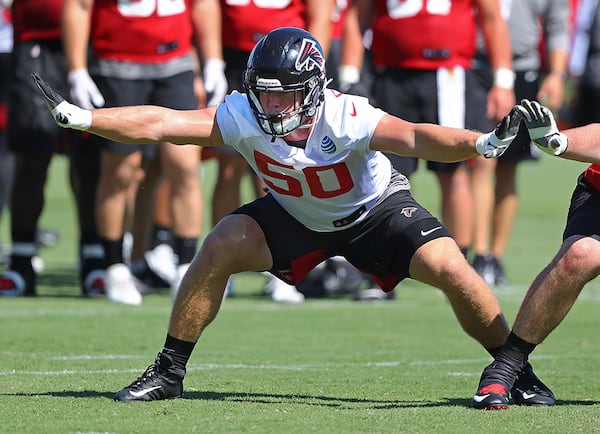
pixel 241 366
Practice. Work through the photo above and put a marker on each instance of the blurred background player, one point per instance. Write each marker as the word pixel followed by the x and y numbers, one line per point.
pixel 6 157
pixel 539 35
pixel 422 58
pixel 157 69
pixel 244 23
pixel 584 64
pixel 34 139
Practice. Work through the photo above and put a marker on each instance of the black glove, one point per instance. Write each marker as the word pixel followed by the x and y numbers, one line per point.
pixel 493 144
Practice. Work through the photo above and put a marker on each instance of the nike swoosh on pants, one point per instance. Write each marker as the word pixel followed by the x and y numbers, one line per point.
pixel 430 231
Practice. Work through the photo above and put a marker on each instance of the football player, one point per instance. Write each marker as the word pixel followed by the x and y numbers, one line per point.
pixel 555 289
pixel 332 191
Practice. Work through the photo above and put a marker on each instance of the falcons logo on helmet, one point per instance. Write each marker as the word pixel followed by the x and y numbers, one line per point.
pixel 310 56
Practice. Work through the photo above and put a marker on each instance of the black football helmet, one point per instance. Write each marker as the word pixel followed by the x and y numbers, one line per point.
pixel 287 59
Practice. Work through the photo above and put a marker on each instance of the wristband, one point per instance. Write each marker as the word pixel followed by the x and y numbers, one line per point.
pixel 504 78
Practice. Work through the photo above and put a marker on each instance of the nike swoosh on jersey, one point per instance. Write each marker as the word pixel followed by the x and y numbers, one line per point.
pixel 353 112
pixel 143 392
pixel 430 231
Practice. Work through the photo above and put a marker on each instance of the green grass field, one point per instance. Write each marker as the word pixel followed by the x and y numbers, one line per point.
pixel 325 366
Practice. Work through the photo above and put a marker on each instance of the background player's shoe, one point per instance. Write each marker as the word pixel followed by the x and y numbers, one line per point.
pixel 12 284
pixel 281 292
pixel 47 237
pixel 181 270
pixel 499 274
pixel 158 269
pixel 484 266
pixel 491 397
pixel 120 285
pixel 94 283
pixel 529 389
pixel 161 380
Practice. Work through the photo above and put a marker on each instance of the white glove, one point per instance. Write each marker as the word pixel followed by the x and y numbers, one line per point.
pixel 65 114
pixel 493 144
pixel 542 127
pixel 348 76
pixel 215 83
pixel 83 90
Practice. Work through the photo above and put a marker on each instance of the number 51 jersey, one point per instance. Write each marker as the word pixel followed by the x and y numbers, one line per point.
pixel 335 180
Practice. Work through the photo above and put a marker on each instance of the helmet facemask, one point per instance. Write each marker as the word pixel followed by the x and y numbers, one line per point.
pixel 307 97
pixel 287 59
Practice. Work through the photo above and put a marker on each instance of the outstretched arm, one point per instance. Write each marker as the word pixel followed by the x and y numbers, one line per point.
pixel 579 144
pixel 438 143
pixel 135 124
pixel 583 143
pixel 153 124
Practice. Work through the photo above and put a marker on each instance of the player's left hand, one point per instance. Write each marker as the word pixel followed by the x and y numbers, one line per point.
pixel 65 114
pixel 542 127
pixel 215 83
pixel 493 144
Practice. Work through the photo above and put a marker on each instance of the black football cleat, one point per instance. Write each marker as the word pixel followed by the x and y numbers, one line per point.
pixel 484 266
pixel 529 389
pixel 491 397
pixel 155 383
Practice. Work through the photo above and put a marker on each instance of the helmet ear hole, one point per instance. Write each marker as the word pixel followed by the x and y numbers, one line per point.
pixel 286 59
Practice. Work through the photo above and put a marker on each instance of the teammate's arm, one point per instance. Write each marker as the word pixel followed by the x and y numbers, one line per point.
pixel 76 32
pixel 583 143
pixel 495 32
pixel 206 21
pixel 318 21
pixel 76 36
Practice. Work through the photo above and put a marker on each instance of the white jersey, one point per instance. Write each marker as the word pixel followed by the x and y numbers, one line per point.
pixel 334 177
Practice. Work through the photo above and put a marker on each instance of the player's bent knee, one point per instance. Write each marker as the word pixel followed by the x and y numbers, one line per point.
pixel 581 257
pixel 242 235
pixel 439 262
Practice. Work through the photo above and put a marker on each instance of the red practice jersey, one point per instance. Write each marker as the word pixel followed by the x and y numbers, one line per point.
pixel 37 19
pixel 141 31
pixel 592 176
pixel 246 21
pixel 424 34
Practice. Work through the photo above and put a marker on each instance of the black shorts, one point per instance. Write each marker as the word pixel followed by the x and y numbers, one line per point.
pixel 584 212
pixel 479 83
pixel 522 149
pixel 5 68
pixel 174 92
pixel 587 110
pixel 381 245
pixel 411 95
pixel 31 128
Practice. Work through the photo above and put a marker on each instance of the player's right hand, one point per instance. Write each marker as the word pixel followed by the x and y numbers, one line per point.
pixel 542 127
pixel 84 91
pixel 65 114
pixel 495 143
